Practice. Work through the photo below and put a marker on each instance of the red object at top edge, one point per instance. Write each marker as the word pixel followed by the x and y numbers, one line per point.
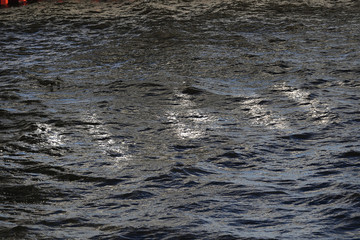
pixel 6 2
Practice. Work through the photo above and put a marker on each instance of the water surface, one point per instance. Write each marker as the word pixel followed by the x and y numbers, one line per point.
pixel 180 120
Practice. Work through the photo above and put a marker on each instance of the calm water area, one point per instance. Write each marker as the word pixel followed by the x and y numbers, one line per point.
pixel 180 119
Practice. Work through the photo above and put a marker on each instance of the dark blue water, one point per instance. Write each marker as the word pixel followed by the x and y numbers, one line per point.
pixel 180 120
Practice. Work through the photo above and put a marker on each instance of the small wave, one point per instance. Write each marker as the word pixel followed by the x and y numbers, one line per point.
pixel 134 195
pixel 29 194
pixel 190 171
pixel 16 232
pixel 301 136
pixel 350 154
pixel 326 199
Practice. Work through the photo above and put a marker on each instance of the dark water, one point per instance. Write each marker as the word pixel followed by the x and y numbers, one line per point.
pixel 180 120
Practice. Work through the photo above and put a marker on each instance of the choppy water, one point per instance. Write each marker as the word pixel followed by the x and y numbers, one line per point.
pixel 180 120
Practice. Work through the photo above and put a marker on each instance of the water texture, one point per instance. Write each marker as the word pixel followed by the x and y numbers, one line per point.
pixel 180 119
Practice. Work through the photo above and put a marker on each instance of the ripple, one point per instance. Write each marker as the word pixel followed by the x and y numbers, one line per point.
pixel 350 154
pixel 134 195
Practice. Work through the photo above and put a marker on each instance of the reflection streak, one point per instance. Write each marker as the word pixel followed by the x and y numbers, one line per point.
pixel 188 122
pixel 316 109
pixel 265 117
pixel 52 136
pixel 102 136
